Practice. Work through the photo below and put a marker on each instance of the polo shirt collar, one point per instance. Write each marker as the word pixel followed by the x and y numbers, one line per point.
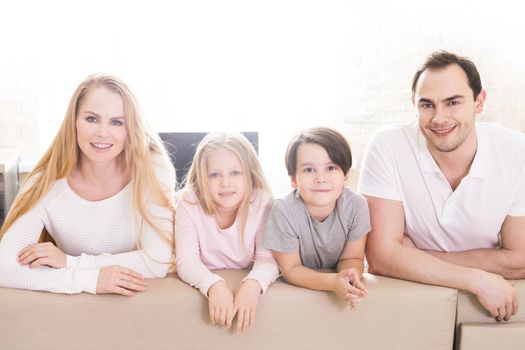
pixel 479 164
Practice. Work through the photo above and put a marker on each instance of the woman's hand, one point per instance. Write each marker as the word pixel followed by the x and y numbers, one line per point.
pixel 42 254
pixel 349 287
pixel 119 280
pixel 221 304
pixel 245 304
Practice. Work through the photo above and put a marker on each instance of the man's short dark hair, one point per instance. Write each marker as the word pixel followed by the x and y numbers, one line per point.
pixel 332 141
pixel 441 59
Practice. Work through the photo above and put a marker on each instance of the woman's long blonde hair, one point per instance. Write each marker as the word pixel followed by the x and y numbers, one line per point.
pixel 142 145
pixel 197 178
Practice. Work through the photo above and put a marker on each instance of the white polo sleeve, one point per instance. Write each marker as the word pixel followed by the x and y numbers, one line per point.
pixel 379 177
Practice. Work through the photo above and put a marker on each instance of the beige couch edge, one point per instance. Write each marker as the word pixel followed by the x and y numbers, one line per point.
pixel 172 315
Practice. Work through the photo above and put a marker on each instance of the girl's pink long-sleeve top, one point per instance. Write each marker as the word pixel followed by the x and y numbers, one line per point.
pixel 201 246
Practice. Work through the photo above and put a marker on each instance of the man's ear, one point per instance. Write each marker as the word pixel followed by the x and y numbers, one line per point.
pixel 293 181
pixel 480 101
pixel 347 178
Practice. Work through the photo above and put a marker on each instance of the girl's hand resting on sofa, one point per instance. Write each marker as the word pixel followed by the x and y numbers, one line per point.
pixel 349 287
pixel 119 280
pixel 220 304
pixel 246 300
pixel 42 254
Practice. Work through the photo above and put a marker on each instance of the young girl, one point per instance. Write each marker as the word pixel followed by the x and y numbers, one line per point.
pixel 219 224
pixel 103 191
pixel 321 224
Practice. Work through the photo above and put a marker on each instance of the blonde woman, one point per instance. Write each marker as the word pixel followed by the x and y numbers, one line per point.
pixel 219 225
pixel 103 191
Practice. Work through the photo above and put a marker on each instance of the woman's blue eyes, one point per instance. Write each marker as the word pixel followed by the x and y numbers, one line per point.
pixel 115 122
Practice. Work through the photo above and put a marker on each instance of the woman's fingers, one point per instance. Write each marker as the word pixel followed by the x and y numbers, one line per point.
pixel 123 291
pixel 132 286
pixel 119 280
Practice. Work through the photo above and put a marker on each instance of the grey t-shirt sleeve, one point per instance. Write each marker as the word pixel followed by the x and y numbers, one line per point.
pixel 360 219
pixel 279 234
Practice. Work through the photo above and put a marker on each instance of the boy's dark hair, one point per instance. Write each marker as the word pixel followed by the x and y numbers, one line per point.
pixel 441 59
pixel 332 141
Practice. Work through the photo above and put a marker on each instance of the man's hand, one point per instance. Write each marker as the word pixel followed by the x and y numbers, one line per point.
pixel 497 295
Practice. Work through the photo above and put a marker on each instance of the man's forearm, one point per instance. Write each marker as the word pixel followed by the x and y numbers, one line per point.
pixel 504 262
pixel 416 265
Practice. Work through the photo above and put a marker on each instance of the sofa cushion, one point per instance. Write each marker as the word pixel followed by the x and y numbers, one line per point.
pixel 172 315
pixel 490 336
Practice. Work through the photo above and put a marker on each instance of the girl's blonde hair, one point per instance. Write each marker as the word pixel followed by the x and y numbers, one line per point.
pixel 143 153
pixel 197 178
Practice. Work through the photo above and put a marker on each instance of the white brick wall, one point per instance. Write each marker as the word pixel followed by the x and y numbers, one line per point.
pixel 353 66
pixel 19 112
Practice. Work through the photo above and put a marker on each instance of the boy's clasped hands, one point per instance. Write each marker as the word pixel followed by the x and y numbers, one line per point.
pixel 349 287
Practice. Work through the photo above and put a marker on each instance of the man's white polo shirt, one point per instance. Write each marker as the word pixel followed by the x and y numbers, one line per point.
pixel 398 166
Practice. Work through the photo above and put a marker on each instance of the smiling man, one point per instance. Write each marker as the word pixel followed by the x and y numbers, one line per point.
pixel 447 194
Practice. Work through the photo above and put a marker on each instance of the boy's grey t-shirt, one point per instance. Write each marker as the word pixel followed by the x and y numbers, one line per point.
pixel 291 229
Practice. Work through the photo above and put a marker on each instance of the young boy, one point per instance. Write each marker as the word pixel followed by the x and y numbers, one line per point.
pixel 321 224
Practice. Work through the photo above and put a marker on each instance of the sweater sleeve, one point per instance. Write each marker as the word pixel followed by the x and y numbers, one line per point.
pixel 190 267
pixel 24 232
pixel 265 269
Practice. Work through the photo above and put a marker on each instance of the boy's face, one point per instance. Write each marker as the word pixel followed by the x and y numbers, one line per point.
pixel 318 180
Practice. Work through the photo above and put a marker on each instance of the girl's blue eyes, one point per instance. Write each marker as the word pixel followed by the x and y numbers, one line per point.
pixel 233 173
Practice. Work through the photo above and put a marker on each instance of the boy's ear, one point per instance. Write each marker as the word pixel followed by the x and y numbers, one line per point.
pixel 293 181
pixel 347 178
